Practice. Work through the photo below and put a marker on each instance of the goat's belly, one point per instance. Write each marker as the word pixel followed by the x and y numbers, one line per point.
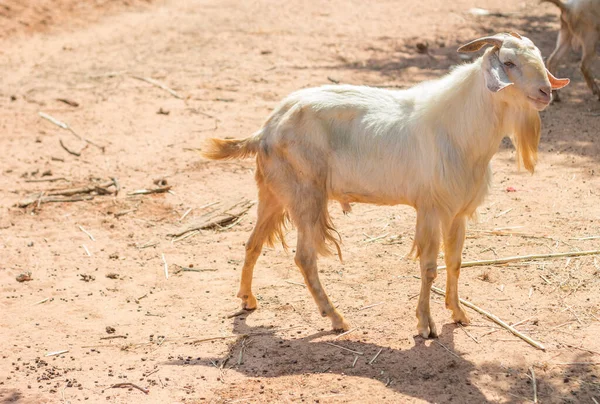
pixel 349 189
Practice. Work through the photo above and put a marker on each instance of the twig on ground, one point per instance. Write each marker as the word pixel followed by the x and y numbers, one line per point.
pixel 242 335
pixel 345 333
pixel 166 266
pixel 67 127
pixel 355 360
pixel 586 238
pixel 524 258
pixel 41 301
pixel 135 386
pixel 295 283
pixel 371 239
pixel 73 152
pixel 27 202
pixel 583 349
pixel 495 319
pixel 576 363
pixel 48 179
pixel 86 232
pixel 370 306
pixel 159 85
pixel 186 269
pixel 218 220
pixel 462 327
pixel 115 336
pixel 444 346
pixel 345 349
pixel 375 357
pixel 124 212
pixel 147 245
pixel 158 190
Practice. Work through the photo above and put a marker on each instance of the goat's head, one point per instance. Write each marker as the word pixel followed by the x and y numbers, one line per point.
pixel 515 62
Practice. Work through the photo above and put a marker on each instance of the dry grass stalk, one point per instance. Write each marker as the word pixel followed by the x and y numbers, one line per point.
pixel 159 85
pixel 462 327
pixel 67 127
pixel 57 352
pixel 76 194
pixel 86 250
pixel 376 356
pixel 187 212
pixel 295 283
pixel 86 232
pixel 355 360
pixel 345 349
pixel 345 333
pixel 219 219
pixel 583 349
pixel 444 346
pixel 534 382
pixel 48 179
pixel 158 190
pixel 370 306
pixel 166 266
pixel 523 258
pixel 495 319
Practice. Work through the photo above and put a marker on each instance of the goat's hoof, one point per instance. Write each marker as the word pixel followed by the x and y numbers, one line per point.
pixel 248 302
pixel 340 325
pixel 427 331
pixel 461 317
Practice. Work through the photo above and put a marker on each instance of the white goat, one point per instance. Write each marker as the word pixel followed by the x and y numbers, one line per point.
pixel 579 26
pixel 428 147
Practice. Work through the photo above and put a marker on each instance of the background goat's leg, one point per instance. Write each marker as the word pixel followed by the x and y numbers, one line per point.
pixel 427 242
pixel 306 259
pixel 563 45
pixel 454 239
pixel 270 212
pixel 589 51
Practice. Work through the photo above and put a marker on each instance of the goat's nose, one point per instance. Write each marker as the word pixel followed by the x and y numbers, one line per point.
pixel 546 93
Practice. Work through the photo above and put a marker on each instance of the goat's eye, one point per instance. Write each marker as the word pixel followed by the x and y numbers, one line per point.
pixel 509 64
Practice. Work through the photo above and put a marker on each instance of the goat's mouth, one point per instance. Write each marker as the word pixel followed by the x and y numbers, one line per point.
pixel 539 103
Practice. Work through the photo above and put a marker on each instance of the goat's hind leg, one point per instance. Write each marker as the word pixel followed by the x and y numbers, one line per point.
pixel 454 239
pixel 270 215
pixel 306 259
pixel 427 242
pixel 589 51
pixel 563 45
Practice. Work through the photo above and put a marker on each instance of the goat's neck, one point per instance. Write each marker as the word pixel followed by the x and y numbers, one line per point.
pixel 473 113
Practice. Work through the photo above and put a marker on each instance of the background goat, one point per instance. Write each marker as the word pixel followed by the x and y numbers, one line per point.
pixel 428 147
pixel 579 26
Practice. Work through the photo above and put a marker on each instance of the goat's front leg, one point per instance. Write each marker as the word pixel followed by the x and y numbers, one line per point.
pixel 306 259
pixel 454 239
pixel 427 242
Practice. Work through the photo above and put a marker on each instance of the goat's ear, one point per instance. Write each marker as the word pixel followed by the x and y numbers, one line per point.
pixel 495 77
pixel 556 83
pixel 477 44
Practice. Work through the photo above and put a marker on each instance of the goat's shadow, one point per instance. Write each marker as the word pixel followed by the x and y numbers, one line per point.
pixel 426 370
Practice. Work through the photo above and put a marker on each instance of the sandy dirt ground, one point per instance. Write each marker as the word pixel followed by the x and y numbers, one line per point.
pixel 99 291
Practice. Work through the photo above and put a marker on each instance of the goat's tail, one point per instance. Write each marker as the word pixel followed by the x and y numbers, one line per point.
pixel 227 149
pixel 557 3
